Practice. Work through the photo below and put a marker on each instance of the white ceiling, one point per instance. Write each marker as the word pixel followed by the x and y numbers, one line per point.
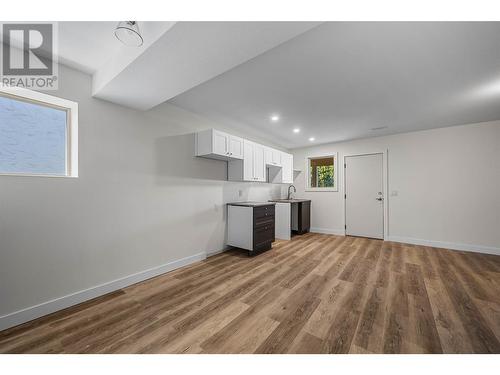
pixel 186 55
pixel 86 46
pixel 339 80
pixel 175 56
pixel 90 46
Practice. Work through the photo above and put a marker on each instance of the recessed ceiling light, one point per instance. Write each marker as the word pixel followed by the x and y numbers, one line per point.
pixel 275 118
pixel 311 139
pixel 296 130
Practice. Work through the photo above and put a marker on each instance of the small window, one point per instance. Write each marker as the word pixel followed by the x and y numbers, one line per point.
pixel 38 134
pixel 321 173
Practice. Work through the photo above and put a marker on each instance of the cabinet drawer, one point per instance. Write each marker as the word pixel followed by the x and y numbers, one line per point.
pixel 262 246
pixel 264 226
pixel 263 221
pixel 263 211
pixel 263 235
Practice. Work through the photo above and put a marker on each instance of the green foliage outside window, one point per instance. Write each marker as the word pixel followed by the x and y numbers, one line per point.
pixel 322 172
pixel 325 175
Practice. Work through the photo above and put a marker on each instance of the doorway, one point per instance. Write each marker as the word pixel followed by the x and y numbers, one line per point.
pixel 364 195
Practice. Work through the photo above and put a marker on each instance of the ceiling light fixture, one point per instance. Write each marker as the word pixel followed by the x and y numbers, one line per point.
pixel 296 130
pixel 311 139
pixel 275 118
pixel 128 33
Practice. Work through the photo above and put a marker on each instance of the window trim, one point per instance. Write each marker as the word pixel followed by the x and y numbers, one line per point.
pixel 71 108
pixel 335 187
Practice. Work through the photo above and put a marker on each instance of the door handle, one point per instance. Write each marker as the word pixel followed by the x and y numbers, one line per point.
pixel 379 199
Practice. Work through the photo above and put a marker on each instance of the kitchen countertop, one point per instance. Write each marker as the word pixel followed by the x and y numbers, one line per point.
pixel 251 204
pixel 290 200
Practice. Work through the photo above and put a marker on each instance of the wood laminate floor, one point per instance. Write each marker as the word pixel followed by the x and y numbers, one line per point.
pixel 313 294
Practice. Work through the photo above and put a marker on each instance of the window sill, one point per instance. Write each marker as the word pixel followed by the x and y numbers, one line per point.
pixel 321 189
pixel 34 175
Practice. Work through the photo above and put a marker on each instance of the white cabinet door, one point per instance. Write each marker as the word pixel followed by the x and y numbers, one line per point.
pixel 276 157
pixel 220 143
pixel 287 169
pixel 259 166
pixel 235 147
pixel 248 148
pixel 272 156
pixel 268 156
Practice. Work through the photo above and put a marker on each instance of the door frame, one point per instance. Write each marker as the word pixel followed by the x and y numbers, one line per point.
pixel 385 182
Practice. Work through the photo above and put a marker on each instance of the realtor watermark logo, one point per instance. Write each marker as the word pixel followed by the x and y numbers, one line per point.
pixel 29 55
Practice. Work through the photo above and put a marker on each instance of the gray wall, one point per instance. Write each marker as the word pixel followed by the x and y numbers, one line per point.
pixel 142 200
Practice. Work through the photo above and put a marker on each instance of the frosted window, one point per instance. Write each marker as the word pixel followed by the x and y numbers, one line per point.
pixel 32 138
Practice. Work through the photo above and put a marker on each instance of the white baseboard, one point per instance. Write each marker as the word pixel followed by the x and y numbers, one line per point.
pixel 337 232
pixel 417 241
pixel 218 251
pixel 33 312
pixel 446 245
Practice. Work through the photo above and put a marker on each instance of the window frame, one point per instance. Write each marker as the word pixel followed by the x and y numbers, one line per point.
pixel 335 187
pixel 71 109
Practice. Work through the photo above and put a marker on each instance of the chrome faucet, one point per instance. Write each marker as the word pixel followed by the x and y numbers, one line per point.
pixel 290 194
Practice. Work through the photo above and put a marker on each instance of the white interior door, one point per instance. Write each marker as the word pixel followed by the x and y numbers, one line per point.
pixel 364 200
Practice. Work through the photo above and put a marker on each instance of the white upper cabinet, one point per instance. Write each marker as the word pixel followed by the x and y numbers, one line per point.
pixel 248 158
pixel 247 161
pixel 287 168
pixel 252 167
pixel 259 166
pixel 220 143
pixel 253 162
pixel 272 157
pixel 235 147
pixel 215 144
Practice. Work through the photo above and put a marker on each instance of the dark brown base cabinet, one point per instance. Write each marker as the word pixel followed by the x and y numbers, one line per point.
pixel 251 226
pixel 301 217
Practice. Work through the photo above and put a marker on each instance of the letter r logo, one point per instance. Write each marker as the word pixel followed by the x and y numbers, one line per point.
pixel 27 49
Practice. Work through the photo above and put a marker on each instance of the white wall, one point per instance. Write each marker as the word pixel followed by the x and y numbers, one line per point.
pixel 142 201
pixel 448 184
